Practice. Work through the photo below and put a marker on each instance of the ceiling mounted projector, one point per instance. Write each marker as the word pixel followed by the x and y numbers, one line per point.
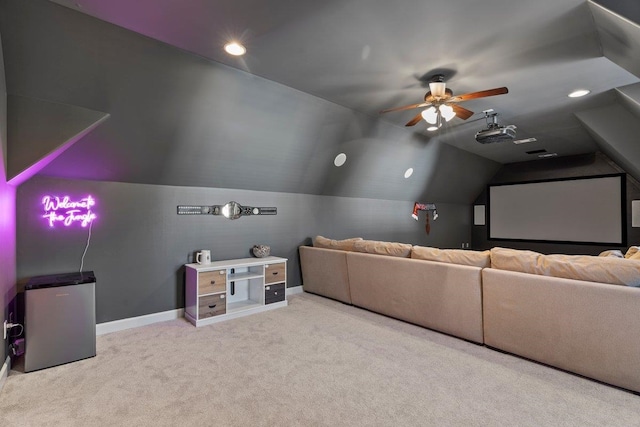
pixel 494 132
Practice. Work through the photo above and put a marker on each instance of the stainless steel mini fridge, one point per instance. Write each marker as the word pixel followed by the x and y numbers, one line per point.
pixel 60 319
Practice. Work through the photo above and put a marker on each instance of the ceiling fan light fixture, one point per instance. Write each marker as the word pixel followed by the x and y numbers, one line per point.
pixel 432 128
pixel 235 49
pixel 437 88
pixel 430 115
pixel 447 112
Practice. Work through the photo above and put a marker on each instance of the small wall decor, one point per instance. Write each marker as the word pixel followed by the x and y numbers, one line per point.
pixel 67 211
pixel 425 207
pixel 231 210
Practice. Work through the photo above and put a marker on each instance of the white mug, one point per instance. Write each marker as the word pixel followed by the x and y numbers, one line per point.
pixel 203 257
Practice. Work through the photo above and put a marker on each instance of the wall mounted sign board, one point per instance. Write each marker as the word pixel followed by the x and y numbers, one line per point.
pixel 67 211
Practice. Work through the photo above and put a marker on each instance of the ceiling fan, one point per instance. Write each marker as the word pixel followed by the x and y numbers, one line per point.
pixel 440 103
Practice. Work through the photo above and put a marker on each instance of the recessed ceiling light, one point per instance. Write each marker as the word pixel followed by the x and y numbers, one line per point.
pixel 340 159
pixel 524 141
pixel 578 93
pixel 235 49
pixel 408 172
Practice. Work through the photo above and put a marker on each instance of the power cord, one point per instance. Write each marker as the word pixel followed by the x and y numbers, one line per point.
pixel 13 325
pixel 86 247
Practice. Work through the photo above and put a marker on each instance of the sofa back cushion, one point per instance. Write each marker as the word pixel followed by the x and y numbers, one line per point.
pixel 633 253
pixel 343 245
pixel 480 259
pixel 617 271
pixel 383 248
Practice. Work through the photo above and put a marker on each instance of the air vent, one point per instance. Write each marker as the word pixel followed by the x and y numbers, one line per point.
pixel 547 155
pixel 524 141
pixel 537 151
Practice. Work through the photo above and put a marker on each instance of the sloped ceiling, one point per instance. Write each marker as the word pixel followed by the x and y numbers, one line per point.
pixel 40 131
pixel 311 86
pixel 372 55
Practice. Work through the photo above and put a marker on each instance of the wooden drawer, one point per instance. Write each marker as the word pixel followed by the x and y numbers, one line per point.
pixel 210 282
pixel 274 293
pixel 212 305
pixel 274 273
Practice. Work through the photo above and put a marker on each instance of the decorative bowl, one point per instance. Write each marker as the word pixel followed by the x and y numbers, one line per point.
pixel 261 251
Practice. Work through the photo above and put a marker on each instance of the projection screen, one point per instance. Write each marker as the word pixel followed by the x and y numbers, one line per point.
pixel 588 210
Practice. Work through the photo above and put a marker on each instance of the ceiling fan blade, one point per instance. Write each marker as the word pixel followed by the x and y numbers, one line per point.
pixel 415 120
pixel 481 94
pixel 406 107
pixel 461 112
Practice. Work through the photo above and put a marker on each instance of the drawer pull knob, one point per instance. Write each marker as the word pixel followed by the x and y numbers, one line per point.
pixel 275 273
pixel 275 293
pixel 213 282
pixel 268 287
pixel 212 306
pixel 221 296
pixel 221 272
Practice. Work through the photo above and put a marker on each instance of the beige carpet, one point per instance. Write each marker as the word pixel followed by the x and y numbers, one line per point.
pixel 315 362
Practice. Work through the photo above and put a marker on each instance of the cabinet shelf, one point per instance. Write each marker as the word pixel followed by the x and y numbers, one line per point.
pixel 244 276
pixel 242 305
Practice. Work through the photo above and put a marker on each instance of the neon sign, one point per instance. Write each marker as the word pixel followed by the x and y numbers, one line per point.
pixel 67 212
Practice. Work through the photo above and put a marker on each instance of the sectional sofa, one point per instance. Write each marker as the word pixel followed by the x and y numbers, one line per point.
pixel 576 313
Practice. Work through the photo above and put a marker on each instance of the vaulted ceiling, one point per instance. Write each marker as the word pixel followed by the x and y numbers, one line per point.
pixel 312 84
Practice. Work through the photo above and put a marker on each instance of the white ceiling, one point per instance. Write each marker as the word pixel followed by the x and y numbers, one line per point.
pixel 370 55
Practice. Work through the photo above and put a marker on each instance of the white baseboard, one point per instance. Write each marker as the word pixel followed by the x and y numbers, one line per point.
pixel 134 322
pixel 4 372
pixel 294 290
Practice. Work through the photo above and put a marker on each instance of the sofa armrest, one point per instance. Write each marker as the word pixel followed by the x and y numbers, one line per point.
pixel 324 272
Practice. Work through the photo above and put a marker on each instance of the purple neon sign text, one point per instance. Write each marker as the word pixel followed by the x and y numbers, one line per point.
pixel 67 212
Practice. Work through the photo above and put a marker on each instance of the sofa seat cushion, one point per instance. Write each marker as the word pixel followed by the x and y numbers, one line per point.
pixel 402 250
pixel 343 245
pixel 612 270
pixel 480 259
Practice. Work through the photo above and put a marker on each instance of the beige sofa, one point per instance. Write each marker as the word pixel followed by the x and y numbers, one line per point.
pixel 440 296
pixel 582 326
pixel 586 327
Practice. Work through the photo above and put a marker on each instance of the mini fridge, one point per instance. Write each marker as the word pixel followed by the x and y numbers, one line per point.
pixel 60 319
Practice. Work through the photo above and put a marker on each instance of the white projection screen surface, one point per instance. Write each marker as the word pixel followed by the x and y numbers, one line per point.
pixel 580 210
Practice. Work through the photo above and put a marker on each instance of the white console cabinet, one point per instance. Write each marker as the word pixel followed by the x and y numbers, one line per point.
pixel 227 289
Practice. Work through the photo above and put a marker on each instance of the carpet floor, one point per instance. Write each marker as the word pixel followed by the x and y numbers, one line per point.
pixel 316 362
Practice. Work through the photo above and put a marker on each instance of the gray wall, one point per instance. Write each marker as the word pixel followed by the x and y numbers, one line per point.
pixel 565 167
pixel 139 244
